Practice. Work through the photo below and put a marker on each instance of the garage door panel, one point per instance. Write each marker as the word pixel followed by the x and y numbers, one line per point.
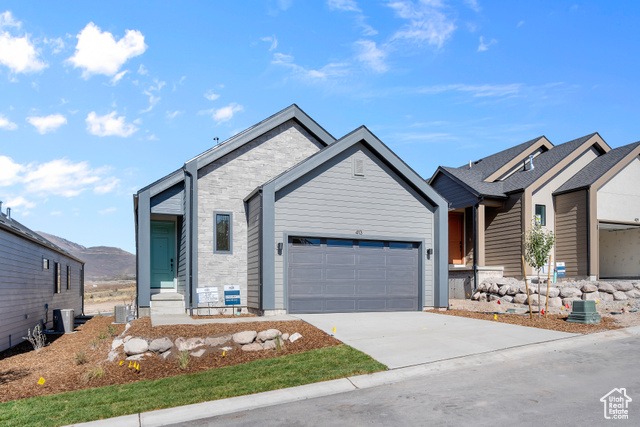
pixel 345 276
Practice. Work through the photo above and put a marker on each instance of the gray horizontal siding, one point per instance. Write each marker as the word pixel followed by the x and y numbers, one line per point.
pixel 182 254
pixel 503 236
pixel 253 252
pixel 457 195
pixel 170 201
pixel 25 287
pixel 331 201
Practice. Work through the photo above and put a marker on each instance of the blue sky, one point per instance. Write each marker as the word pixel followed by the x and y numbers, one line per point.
pixel 98 99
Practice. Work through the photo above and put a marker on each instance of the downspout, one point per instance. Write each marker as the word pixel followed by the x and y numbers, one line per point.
pixel 588 233
pixel 190 265
pixel 475 246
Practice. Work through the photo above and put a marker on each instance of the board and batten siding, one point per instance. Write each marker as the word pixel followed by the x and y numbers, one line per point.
pixel 571 232
pixel 25 287
pixel 331 201
pixel 170 201
pixel 253 252
pixel 223 186
pixel 503 236
pixel 456 194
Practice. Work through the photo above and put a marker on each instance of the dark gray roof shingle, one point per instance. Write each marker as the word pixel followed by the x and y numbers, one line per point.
pixel 598 167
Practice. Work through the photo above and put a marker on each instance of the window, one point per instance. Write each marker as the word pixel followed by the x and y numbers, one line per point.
pixel 340 243
pixel 301 241
pixel 541 214
pixel 56 279
pixel 371 244
pixel 400 245
pixel 45 264
pixel 222 235
pixel 68 277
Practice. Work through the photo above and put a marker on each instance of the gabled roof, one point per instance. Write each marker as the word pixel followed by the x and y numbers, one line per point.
pixel 364 135
pixel 293 112
pixel 597 168
pixel 15 227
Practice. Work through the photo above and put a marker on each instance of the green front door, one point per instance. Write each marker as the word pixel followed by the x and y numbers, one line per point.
pixel 163 238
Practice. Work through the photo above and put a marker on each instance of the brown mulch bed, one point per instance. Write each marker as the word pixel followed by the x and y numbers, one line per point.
pixel 554 322
pixel 21 369
pixel 222 316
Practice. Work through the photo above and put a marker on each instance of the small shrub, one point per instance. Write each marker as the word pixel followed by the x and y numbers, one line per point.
pixel 37 338
pixel 102 336
pixel 99 314
pixel 111 330
pixel 96 372
pixel 94 344
pixel 81 358
pixel 278 342
pixel 183 359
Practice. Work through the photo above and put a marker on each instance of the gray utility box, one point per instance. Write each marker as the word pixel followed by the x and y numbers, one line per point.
pixel 584 312
pixel 121 313
pixel 63 320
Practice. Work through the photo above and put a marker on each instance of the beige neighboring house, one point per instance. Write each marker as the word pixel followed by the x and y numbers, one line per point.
pixel 584 191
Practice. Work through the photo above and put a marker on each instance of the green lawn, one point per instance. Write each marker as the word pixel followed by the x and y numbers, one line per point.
pixel 254 377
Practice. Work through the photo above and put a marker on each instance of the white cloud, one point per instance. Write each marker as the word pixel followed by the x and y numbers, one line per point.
pixel 115 79
pixel 7 124
pixel 45 124
pixel 273 40
pixel 109 125
pixel 17 53
pixel 473 5
pixel 61 177
pixel 56 213
pixel 485 46
pixel 152 137
pixel 211 96
pixel 348 5
pixel 97 52
pixel 20 201
pixel 331 70
pixel 153 99
pixel 427 22
pixel 106 185
pixel 9 171
pixel 142 70
pixel 173 114
pixel 477 91
pixel 371 55
pixel 520 24
pixel 57 45
pixel 107 211
pixel 224 114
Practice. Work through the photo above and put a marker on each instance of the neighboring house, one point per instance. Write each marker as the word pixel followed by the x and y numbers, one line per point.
pixel 36 277
pixel 582 190
pixel 302 223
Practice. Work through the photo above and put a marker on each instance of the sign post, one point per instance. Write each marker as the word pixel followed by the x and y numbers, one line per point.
pixel 232 295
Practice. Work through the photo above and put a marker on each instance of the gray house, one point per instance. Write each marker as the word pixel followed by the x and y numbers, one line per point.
pixel 36 277
pixel 296 220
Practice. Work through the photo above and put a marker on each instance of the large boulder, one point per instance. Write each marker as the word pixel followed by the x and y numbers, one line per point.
pixel 513 290
pixel 476 296
pixel 555 302
pixel 267 335
pixel 622 286
pixel 503 290
pixel 135 346
pixel 252 347
pixel 606 297
pixel 591 296
pixel 570 292
pixel 482 287
pixel 493 297
pixel 570 300
pixel 553 292
pixel 244 337
pixel 633 294
pixel 506 298
pixel 620 296
pixel 269 345
pixel 160 345
pixel 295 337
pixel 494 288
pixel 588 288
pixel 606 287
pixel 188 344
pixel 117 342
pixel 520 299
pixel 482 297
pixel 217 341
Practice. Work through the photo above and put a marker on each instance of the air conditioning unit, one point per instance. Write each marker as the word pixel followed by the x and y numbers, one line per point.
pixel 121 313
pixel 63 320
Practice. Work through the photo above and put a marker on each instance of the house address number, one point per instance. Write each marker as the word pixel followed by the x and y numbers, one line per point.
pixel 359 232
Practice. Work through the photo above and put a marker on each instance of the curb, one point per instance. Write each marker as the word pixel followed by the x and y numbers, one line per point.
pixel 309 391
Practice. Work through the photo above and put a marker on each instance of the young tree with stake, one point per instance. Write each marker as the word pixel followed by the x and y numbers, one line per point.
pixel 537 247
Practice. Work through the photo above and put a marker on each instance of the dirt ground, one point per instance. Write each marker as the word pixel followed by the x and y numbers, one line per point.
pixel 21 367
pixel 102 296
pixel 621 319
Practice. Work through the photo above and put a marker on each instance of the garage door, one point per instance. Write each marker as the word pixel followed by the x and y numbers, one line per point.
pixel 337 275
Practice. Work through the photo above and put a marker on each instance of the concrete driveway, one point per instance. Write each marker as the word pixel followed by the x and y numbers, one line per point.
pixel 410 338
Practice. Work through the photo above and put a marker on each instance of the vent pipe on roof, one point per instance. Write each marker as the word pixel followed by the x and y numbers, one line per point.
pixel 0 206
pixel 469 164
pixel 9 214
pixel 531 166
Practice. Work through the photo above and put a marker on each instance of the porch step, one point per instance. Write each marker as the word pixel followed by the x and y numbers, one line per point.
pixel 167 303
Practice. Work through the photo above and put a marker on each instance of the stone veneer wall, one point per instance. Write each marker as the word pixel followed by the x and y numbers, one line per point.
pixel 223 185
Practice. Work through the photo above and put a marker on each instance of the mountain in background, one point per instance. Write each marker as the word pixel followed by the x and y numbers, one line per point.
pixel 101 262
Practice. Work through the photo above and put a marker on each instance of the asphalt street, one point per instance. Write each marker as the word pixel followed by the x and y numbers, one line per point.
pixel 558 387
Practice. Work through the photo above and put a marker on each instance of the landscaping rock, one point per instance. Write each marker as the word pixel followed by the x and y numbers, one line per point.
pixel 217 341
pixel 267 335
pixel 166 354
pixel 622 286
pixel 295 337
pixel 252 347
pixel 476 296
pixel 506 298
pixel 482 287
pixel 113 355
pixel 633 294
pixel 503 290
pixel 135 346
pixel 591 296
pixel 285 337
pixel 513 290
pixel 116 343
pixel 520 299
pixel 570 292
pixel 606 287
pixel 226 348
pixel 620 296
pixel 493 297
pixel 137 357
pixel 189 344
pixel 494 288
pixel 269 345
pixel 636 285
pixel 555 302
pixel 553 292
pixel 245 337
pixel 482 297
pixel 160 345
pixel 198 353
pixel 589 288
pixel 606 297
pixel 570 300
pixel 127 338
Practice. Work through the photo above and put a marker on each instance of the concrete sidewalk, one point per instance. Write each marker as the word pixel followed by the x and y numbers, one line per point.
pixel 401 339
pixel 261 400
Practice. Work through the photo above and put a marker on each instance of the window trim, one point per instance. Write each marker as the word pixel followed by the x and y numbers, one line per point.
pixel 57 278
pixel 543 217
pixel 215 232
pixel 45 263
pixel 68 277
